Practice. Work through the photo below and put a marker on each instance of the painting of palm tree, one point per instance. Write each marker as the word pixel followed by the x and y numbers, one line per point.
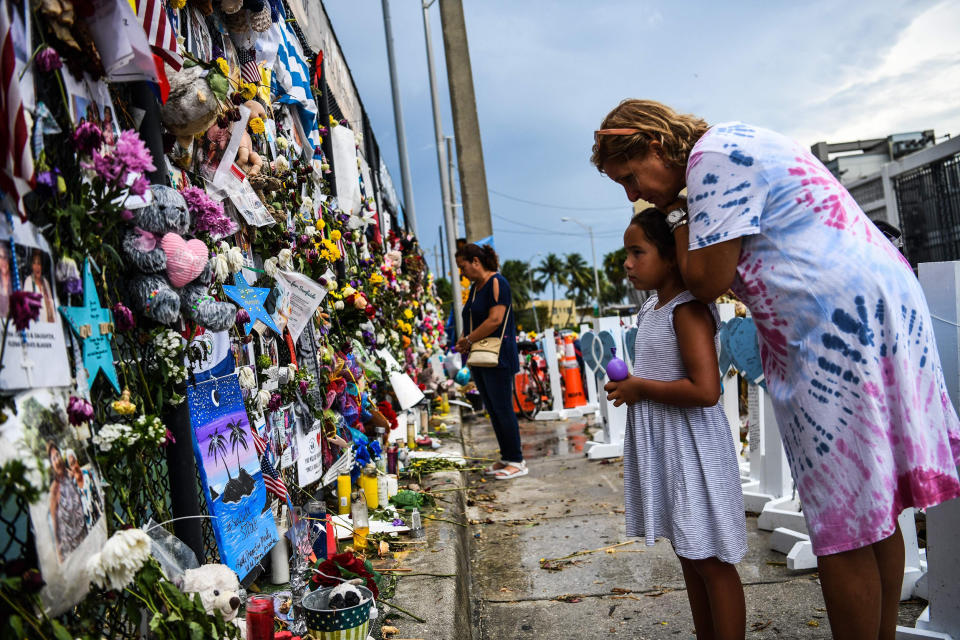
pixel 219 445
pixel 237 439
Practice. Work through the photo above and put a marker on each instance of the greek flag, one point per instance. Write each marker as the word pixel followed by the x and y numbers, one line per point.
pixel 292 75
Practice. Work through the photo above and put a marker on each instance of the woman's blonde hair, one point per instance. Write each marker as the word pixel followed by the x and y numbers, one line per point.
pixel 654 121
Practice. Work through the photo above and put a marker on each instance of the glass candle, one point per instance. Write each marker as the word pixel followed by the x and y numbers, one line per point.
pixel 260 618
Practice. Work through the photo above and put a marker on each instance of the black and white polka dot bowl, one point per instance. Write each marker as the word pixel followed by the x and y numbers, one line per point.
pixel 327 624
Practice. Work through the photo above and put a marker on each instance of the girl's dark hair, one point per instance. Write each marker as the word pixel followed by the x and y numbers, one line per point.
pixel 485 254
pixel 654 225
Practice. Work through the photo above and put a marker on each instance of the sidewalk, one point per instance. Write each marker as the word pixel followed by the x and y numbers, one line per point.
pixel 568 504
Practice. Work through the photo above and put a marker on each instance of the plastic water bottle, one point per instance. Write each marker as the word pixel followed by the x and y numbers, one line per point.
pixel 617 369
pixel 416 525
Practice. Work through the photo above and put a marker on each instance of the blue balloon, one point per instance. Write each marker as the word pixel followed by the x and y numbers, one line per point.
pixel 463 376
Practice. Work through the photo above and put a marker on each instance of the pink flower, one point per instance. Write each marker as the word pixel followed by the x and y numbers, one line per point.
pixel 129 156
pixel 48 60
pixel 208 215
pixel 303 386
pixel 243 317
pixel 275 402
pixel 168 439
pixel 24 308
pixel 79 411
pixel 87 138
pixel 140 186
pixel 123 317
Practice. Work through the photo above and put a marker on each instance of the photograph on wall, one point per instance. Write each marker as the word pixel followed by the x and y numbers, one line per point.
pixel 230 473
pixel 67 519
pixel 90 102
pixel 26 264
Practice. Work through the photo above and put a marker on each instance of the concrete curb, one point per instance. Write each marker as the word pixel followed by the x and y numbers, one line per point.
pixel 445 603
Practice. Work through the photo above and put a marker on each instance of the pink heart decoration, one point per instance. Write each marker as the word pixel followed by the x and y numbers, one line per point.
pixel 186 259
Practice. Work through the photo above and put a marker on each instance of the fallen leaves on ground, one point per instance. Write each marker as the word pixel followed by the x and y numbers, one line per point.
pixel 760 626
pixel 572 598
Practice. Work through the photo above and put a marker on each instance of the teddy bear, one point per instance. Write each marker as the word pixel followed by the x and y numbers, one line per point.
pixel 171 273
pixel 219 589
pixel 192 107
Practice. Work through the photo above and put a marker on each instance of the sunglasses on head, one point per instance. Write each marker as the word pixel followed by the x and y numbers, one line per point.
pixel 613 132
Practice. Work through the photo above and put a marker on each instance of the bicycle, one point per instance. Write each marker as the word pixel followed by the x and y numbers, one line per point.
pixel 531 389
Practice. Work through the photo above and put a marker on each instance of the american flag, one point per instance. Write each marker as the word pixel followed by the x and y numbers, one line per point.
pixel 16 178
pixel 249 70
pixel 271 479
pixel 160 33
pixel 259 443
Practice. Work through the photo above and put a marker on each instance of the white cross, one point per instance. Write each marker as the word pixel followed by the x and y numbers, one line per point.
pixel 27 365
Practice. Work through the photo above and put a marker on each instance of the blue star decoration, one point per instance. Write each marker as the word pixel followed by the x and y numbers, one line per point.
pixel 251 299
pixel 93 324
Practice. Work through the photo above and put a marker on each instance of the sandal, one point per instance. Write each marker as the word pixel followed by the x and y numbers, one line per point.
pixel 520 469
pixel 493 469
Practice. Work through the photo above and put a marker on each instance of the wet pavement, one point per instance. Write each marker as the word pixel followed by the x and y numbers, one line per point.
pixel 527 584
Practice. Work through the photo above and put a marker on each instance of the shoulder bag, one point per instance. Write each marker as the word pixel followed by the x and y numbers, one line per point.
pixel 486 351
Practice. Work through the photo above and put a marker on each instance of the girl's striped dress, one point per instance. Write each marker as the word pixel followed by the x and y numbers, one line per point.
pixel 680 471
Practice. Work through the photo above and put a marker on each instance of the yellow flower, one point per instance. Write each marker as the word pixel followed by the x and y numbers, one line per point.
pixel 320 224
pixel 257 126
pixel 123 406
pixel 248 90
pixel 408 314
pixel 177 4
pixel 224 67
pixel 333 122
pixel 376 279
pixel 335 235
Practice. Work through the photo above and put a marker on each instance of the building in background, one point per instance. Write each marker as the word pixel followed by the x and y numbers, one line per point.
pixel 852 161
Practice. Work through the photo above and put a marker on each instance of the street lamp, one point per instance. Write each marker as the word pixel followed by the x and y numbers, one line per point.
pixel 533 306
pixel 596 274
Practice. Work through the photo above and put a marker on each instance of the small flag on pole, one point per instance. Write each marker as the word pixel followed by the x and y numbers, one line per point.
pixel 160 33
pixel 271 479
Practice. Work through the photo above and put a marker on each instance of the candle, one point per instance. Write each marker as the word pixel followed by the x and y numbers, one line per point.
pixel 260 618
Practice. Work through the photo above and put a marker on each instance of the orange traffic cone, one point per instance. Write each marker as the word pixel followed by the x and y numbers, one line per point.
pixel 521 380
pixel 572 383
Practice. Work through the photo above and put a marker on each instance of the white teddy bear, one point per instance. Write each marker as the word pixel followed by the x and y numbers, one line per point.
pixel 218 587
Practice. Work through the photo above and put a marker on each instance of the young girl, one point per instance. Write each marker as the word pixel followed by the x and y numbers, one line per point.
pixel 681 478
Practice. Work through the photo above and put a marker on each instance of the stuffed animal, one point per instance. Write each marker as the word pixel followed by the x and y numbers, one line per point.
pixel 345 595
pixel 219 589
pixel 192 106
pixel 171 273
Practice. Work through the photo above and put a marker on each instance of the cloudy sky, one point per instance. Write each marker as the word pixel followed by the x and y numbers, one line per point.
pixel 546 73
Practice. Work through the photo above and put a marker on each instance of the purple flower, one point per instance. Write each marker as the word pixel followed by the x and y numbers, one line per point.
pixel 87 138
pixel 242 317
pixel 24 308
pixel 48 60
pixel 79 411
pixel 275 401
pixel 126 215
pixel 140 186
pixel 48 181
pixel 208 215
pixel 398 522
pixel 123 317
pixel 303 386
pixel 129 156
pixel 73 286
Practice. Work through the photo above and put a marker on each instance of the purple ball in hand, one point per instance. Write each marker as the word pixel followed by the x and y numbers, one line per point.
pixel 617 369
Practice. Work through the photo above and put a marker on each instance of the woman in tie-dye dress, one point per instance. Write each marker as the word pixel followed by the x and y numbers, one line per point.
pixel 845 334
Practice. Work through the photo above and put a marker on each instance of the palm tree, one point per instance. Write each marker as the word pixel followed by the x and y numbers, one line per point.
pixel 616 276
pixel 518 275
pixel 218 445
pixel 237 438
pixel 579 278
pixel 552 270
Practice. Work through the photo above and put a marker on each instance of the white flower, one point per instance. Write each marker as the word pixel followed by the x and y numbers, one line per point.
pixel 247 379
pixel 338 305
pixel 235 259
pixel 220 267
pixel 332 285
pixel 281 165
pixel 282 143
pixel 307 204
pixel 121 557
pixel 381 338
pixel 270 267
pixel 310 230
pixel 293 368
pixel 263 399
pixel 285 259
